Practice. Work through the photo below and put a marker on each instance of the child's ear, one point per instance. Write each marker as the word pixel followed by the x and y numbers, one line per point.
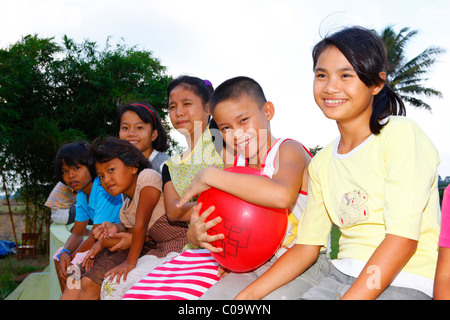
pixel 380 86
pixel 154 135
pixel 269 110
pixel 134 170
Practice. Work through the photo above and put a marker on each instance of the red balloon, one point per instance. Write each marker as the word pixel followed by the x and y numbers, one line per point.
pixel 252 233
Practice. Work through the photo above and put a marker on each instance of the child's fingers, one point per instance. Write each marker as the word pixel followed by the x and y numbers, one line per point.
pixel 182 202
pixel 118 245
pixel 196 211
pixel 87 262
pixel 97 232
pixel 222 272
pixel 186 197
pixel 189 194
pixel 111 275
pixel 205 214
pixel 211 248
pixel 86 258
pixel 214 238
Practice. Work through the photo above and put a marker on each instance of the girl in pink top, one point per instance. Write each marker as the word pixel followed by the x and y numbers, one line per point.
pixel 442 278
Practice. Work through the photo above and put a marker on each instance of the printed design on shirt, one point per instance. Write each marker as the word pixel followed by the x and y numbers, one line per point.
pixel 353 208
pixel 107 289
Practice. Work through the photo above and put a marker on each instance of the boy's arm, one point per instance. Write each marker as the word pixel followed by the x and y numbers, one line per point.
pixel 76 237
pixel 288 267
pixel 278 192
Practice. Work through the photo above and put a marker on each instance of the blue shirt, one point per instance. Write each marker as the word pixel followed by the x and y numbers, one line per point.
pixel 101 207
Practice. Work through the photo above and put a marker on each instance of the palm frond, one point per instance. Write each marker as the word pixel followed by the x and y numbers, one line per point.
pixel 419 90
pixel 415 102
pixel 408 77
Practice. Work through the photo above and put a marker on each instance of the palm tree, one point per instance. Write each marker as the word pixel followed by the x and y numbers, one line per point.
pixel 407 78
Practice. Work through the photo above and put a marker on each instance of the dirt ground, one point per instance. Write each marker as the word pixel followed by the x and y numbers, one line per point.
pixel 6 230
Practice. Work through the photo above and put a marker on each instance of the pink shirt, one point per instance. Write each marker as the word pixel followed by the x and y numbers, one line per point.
pixel 444 239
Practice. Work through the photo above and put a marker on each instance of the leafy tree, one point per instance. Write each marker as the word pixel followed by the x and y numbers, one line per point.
pixel 314 150
pixel 90 84
pixel 408 78
pixel 51 94
pixel 25 97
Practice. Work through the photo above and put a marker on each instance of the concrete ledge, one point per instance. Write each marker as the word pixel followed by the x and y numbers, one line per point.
pixel 34 287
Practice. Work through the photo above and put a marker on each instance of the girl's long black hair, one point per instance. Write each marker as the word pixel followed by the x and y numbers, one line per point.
pixel 366 52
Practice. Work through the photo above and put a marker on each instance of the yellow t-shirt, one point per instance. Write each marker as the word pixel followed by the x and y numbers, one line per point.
pixel 387 185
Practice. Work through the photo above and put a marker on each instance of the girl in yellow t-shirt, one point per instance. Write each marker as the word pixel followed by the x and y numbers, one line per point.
pixel 377 182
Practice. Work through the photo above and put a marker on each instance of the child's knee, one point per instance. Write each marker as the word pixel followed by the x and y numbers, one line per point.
pixel 87 283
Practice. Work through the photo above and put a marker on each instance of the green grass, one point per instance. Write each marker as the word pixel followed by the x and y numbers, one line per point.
pixel 11 268
pixel 335 235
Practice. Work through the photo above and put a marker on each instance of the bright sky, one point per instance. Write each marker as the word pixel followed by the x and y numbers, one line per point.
pixel 267 40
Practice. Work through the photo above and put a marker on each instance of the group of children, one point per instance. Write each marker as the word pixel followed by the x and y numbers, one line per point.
pixel 377 182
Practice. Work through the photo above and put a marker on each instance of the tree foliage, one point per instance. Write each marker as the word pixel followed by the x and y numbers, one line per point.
pixel 53 93
pixel 408 77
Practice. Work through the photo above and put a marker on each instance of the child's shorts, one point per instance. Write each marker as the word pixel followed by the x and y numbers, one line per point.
pixel 107 260
pixel 336 284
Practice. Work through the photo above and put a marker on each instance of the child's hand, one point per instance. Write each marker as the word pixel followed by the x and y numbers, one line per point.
pixel 98 232
pixel 64 263
pixel 197 185
pixel 120 270
pixel 105 230
pixel 88 260
pixel 124 242
pixel 197 232
pixel 223 272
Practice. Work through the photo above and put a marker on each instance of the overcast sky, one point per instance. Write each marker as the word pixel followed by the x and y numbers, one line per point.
pixel 270 41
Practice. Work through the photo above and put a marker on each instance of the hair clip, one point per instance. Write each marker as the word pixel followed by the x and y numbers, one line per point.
pixel 207 83
pixel 141 105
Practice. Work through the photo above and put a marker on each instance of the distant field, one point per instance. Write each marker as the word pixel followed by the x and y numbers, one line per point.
pixel 6 231
pixel 16 207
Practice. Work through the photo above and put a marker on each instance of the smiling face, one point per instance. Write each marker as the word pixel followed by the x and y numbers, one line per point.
pixel 116 177
pixel 245 126
pixel 77 177
pixel 186 110
pixel 339 92
pixel 137 132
